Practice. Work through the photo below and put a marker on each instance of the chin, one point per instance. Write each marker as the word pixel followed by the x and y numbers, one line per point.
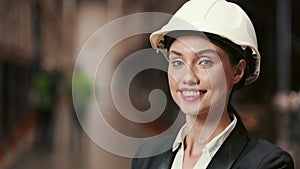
pixel 194 110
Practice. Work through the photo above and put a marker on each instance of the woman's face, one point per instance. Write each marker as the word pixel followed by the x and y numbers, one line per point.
pixel 200 75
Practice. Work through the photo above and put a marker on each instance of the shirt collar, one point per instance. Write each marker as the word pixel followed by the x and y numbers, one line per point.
pixel 180 137
pixel 213 146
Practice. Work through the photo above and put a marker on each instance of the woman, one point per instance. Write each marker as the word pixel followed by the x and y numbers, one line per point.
pixel 212 51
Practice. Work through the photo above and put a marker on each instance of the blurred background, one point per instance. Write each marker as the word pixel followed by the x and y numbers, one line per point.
pixel 41 39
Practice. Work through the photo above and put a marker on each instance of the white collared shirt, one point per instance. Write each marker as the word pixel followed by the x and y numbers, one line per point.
pixel 208 151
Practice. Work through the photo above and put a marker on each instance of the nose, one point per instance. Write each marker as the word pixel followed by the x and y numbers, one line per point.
pixel 190 77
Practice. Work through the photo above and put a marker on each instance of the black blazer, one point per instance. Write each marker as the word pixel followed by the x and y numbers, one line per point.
pixel 239 151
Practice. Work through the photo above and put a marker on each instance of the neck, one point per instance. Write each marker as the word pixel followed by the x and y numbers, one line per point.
pixel 203 129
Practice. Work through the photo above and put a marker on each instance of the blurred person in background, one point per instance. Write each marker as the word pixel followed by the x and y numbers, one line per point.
pixel 45 93
pixel 212 51
pixel 79 92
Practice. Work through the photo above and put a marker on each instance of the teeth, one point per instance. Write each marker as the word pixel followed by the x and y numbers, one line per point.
pixel 190 93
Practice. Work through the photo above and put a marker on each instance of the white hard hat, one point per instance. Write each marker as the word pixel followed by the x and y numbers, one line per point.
pixel 217 17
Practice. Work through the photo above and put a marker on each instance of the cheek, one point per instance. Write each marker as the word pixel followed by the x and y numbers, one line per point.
pixel 219 85
pixel 174 87
pixel 172 82
pixel 173 77
pixel 216 75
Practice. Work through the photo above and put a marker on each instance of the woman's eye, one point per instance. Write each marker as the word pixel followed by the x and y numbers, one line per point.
pixel 177 63
pixel 206 62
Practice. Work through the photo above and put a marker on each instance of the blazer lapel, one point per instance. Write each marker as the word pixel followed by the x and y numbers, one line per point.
pixel 167 161
pixel 231 148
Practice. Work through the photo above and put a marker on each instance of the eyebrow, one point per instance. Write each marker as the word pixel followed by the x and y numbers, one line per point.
pixel 197 53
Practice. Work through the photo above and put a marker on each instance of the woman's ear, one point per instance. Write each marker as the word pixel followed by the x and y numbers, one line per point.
pixel 239 71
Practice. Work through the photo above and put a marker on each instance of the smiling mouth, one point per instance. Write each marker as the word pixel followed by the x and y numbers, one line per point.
pixel 192 94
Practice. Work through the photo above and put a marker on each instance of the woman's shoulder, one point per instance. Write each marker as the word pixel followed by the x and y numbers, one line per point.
pixel 156 146
pixel 261 153
pixel 263 145
pixel 153 153
pixel 251 152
